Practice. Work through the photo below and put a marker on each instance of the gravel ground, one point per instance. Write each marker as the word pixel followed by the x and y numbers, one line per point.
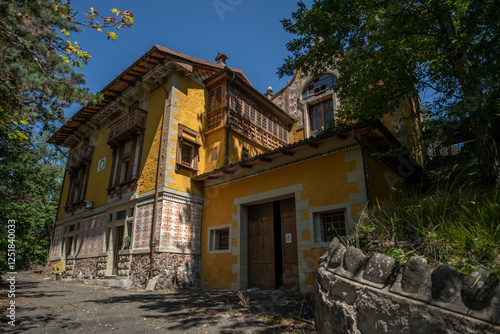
pixel 44 306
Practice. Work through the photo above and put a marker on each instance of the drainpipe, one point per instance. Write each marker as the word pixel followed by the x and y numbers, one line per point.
pixel 158 175
pixel 227 120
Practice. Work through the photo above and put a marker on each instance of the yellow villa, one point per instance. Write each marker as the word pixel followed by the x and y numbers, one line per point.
pixel 240 189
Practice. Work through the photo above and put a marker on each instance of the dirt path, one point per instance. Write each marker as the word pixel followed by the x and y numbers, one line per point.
pixel 54 307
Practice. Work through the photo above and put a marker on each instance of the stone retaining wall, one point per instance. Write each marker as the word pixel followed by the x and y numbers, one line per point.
pixel 360 294
pixel 169 269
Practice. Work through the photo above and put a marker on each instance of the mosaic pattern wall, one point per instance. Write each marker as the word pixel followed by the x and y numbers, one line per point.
pixel 91 235
pixel 181 225
pixel 292 100
pixel 56 242
pixel 178 225
pixel 142 232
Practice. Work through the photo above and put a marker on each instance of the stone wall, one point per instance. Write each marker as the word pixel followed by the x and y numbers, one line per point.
pixel 102 263
pixel 169 270
pixel 84 268
pixel 360 294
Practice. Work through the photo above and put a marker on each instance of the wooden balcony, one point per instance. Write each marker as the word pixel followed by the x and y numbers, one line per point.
pixel 250 130
pixel 81 155
pixel 128 126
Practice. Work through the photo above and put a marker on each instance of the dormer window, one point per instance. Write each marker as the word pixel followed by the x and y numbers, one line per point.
pixel 320 85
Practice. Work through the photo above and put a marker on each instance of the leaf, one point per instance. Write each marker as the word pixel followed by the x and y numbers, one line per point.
pixel 112 35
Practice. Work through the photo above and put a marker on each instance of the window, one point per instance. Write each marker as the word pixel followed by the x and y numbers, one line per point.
pixel 187 155
pixel 188 143
pixel 78 168
pixel 328 223
pixel 126 138
pixel 320 113
pixel 219 239
pixel 332 224
pixel 215 96
pixel 318 86
pixel 121 215
pixel 213 154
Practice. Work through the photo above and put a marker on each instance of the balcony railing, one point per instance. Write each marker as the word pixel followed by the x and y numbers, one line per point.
pixel 247 128
pixel 81 155
pixel 130 124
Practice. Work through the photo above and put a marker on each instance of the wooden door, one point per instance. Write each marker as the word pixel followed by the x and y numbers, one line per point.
pixel 289 242
pixel 261 266
pixel 118 247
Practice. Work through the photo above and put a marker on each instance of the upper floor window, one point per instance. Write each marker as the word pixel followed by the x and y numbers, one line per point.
pixel 78 166
pixel 320 113
pixel 320 85
pixel 216 98
pixel 188 143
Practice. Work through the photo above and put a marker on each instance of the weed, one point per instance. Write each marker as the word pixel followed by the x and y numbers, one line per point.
pixel 244 301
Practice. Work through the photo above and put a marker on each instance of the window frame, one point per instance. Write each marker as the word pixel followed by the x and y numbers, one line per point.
pixel 311 86
pixel 315 222
pixel 192 138
pixel 212 234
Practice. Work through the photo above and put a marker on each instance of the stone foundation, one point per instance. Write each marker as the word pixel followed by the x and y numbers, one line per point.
pixel 360 294
pixel 123 265
pixel 102 263
pixel 169 270
pixel 85 268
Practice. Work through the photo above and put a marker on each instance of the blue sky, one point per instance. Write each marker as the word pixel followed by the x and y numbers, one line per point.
pixel 248 32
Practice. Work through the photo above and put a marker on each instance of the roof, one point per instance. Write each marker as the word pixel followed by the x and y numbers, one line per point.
pixel 155 56
pixel 375 131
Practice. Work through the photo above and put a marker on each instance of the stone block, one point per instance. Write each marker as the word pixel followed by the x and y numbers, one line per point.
pixel 380 269
pixel 353 260
pixel 479 288
pixel 336 255
pixel 416 275
pixel 446 283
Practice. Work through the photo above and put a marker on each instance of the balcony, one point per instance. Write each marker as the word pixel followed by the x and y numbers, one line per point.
pixel 81 155
pixel 128 126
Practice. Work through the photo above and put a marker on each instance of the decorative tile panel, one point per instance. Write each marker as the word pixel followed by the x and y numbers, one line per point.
pixel 56 242
pixel 91 235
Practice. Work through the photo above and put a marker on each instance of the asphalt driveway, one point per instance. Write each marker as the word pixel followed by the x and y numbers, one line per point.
pixel 44 306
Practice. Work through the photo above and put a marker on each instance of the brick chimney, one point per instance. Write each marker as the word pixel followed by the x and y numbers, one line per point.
pixel 221 59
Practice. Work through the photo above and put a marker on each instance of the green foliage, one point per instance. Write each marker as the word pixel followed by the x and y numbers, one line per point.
pixel 458 224
pixel 30 179
pixel 388 50
pixel 38 63
pixel 38 80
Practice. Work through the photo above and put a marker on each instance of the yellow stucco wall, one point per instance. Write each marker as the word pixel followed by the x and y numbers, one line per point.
pixel 238 142
pixel 149 159
pixel 215 139
pixel 384 184
pixel 321 187
pixel 192 108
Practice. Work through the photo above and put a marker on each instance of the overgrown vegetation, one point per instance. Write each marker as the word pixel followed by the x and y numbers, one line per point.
pixel 455 222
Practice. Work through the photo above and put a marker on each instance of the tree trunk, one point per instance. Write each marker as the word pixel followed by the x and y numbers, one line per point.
pixel 486 149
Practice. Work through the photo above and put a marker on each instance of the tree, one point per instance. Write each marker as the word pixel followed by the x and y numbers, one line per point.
pixel 31 175
pixel 37 67
pixel 386 50
pixel 38 79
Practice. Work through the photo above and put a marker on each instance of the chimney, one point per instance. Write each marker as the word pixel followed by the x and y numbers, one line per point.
pixel 221 59
pixel 269 93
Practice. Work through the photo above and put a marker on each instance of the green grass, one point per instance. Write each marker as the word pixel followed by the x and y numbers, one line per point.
pixel 458 223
